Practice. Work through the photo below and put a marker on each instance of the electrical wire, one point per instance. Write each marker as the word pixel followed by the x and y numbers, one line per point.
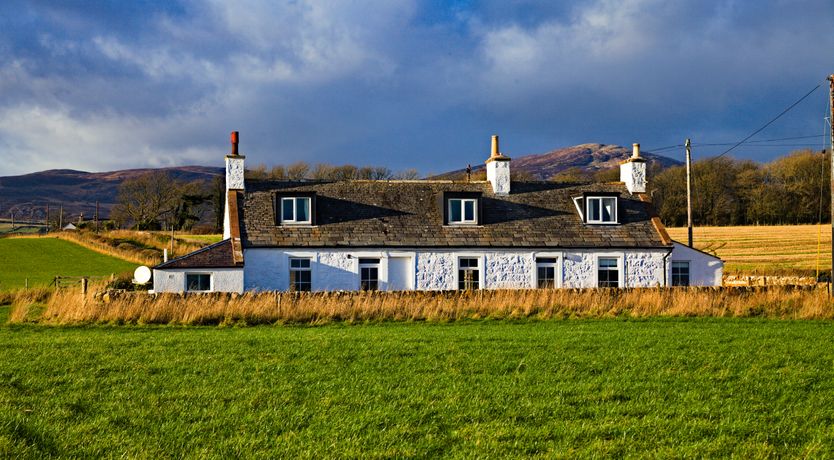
pixel 770 122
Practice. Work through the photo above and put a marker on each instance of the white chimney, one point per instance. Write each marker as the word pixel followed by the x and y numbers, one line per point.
pixel 234 179
pixel 498 170
pixel 633 172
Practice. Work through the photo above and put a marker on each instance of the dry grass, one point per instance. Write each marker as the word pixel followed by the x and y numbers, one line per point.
pixel 68 306
pixel 766 250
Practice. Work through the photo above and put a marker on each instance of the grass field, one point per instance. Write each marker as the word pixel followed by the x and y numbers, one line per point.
pixel 782 249
pixel 41 259
pixel 683 388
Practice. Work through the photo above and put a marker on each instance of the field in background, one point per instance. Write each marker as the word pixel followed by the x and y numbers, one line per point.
pixel 766 250
pixel 41 259
pixel 659 388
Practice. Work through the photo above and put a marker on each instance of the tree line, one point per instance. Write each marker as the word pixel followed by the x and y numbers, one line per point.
pixel 793 189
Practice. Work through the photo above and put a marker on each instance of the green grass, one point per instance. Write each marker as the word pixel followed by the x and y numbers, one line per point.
pixel 612 388
pixel 41 259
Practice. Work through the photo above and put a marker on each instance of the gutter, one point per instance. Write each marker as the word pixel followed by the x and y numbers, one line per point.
pixel 665 268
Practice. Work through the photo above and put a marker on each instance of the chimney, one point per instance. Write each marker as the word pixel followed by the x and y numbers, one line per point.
pixel 633 171
pixel 235 139
pixel 234 179
pixel 498 170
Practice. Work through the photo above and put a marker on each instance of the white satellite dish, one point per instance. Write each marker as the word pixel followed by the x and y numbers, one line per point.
pixel 142 275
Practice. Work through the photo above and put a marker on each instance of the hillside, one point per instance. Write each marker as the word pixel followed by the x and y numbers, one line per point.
pixel 78 191
pixel 587 157
pixel 40 260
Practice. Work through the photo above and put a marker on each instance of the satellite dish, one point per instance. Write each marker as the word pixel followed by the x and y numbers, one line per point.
pixel 142 275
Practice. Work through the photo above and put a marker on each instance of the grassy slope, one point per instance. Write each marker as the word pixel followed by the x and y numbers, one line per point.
pixel 606 388
pixel 41 259
pixel 780 249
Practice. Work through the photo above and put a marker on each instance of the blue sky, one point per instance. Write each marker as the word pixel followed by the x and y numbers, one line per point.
pixel 109 85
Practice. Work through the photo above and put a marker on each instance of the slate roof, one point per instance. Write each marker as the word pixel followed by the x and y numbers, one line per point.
pixel 409 214
pixel 217 255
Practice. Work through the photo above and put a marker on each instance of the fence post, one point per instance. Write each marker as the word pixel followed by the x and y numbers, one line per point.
pixel 26 283
pixel 84 286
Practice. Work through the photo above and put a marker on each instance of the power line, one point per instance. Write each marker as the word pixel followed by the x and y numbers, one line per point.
pixel 770 122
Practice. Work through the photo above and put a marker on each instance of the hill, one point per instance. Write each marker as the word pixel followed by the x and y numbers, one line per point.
pixel 42 259
pixel 589 158
pixel 78 191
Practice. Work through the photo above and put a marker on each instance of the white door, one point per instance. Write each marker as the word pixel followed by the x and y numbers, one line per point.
pixel 399 274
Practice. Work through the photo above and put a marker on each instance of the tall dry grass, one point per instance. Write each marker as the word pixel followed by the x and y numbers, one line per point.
pixel 69 306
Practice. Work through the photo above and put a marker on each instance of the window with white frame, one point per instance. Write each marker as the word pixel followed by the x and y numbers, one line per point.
pixel 369 274
pixel 608 272
pixel 463 210
pixel 680 273
pixel 545 272
pixel 301 275
pixel 198 282
pixel 601 209
pixel 469 273
pixel 295 210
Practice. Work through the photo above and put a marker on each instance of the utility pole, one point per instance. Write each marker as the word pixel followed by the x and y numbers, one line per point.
pixel 96 216
pixel 689 191
pixel 831 122
pixel 61 218
pixel 172 240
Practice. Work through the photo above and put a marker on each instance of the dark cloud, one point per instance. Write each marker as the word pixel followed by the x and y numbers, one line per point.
pixel 403 84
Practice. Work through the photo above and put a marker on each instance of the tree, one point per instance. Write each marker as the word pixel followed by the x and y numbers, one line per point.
pixel 147 200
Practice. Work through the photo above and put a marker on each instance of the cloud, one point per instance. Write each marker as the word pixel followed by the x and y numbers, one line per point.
pixel 400 83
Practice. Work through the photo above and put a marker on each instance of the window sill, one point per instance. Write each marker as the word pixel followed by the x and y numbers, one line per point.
pixel 463 225
pixel 602 223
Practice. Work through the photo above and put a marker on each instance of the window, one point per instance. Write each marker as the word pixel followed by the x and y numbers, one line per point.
pixel 463 211
pixel 468 273
pixel 601 210
pixel 197 282
pixel 608 273
pixel 301 279
pixel 295 210
pixel 545 272
pixel 680 273
pixel 369 274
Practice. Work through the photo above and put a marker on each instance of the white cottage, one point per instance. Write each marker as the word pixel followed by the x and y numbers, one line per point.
pixel 438 235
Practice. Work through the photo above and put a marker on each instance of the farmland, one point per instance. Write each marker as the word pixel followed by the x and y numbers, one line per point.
pixel 783 249
pixel 41 259
pixel 612 388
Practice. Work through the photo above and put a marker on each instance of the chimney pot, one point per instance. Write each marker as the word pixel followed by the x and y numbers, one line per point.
pixel 495 151
pixel 636 151
pixel 235 139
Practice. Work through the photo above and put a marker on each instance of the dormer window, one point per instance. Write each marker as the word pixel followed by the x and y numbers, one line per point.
pixel 296 210
pixel 463 211
pixel 601 209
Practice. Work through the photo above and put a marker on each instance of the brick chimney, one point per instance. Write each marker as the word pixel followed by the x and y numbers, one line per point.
pixel 633 172
pixel 234 181
pixel 498 170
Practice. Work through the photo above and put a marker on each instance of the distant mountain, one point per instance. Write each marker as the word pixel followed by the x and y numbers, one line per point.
pixel 587 157
pixel 77 191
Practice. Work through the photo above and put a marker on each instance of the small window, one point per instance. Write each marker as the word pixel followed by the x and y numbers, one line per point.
pixel 546 272
pixel 601 210
pixel 608 273
pixel 198 282
pixel 680 273
pixel 369 274
pixel 468 273
pixel 301 279
pixel 463 211
pixel 295 210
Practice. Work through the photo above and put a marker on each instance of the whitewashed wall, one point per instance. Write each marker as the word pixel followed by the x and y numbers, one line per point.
pixel 704 269
pixel 267 269
pixel 222 279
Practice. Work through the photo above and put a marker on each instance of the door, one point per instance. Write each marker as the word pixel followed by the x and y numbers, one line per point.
pixel 399 274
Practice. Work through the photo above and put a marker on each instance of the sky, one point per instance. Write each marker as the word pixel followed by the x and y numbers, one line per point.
pixel 99 86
